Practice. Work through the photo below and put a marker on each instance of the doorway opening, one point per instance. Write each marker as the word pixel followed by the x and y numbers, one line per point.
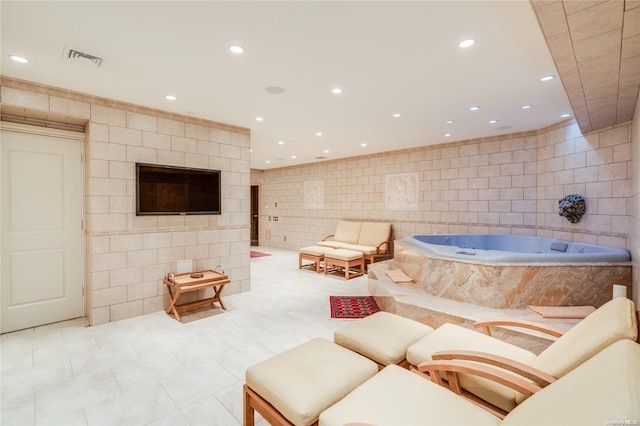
pixel 255 215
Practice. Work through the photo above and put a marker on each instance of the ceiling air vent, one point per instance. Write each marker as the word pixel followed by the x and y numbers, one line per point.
pixel 84 58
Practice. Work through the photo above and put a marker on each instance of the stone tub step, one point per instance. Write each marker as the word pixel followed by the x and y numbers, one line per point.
pixel 411 302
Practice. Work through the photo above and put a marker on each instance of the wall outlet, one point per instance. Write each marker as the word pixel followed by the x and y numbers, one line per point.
pixel 275 218
pixel 269 218
pixel 285 239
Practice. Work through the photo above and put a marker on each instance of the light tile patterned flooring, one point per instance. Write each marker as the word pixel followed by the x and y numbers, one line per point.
pixel 153 370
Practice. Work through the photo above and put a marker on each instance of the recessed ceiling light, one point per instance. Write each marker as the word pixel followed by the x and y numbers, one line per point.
pixel 526 106
pixel 293 157
pixel 267 161
pixel 250 150
pixel 363 144
pixel 170 97
pixel 280 142
pixel 236 48
pixel 318 133
pixel 493 121
pixel 336 90
pixel 326 151
pixel 474 108
pixel 547 78
pixel 258 118
pixel 396 115
pixel 467 43
pixel 449 122
pixel 565 115
pixel 447 134
pixel 275 90
pixel 20 59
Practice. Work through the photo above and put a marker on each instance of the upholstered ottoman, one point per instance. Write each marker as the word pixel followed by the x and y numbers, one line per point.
pixel 382 337
pixel 344 259
pixel 314 254
pixel 295 386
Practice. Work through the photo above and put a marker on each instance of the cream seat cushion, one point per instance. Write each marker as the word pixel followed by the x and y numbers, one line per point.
pixel 313 250
pixel 383 337
pixel 396 396
pixel 454 337
pixel 603 389
pixel 342 254
pixel 302 382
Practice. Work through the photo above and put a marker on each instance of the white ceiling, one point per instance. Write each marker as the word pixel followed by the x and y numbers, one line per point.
pixel 389 57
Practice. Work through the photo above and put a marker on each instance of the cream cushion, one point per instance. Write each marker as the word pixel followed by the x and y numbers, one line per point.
pixel 396 396
pixel 604 388
pixel 361 249
pixel 331 244
pixel 301 382
pixel 453 337
pixel 313 250
pixel 383 337
pixel 374 233
pixel 342 254
pixel 613 321
pixel 347 232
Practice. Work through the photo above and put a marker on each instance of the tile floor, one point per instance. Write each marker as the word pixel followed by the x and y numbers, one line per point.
pixel 153 370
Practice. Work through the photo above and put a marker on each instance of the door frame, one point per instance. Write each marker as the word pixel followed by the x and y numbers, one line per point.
pixel 81 138
pixel 258 221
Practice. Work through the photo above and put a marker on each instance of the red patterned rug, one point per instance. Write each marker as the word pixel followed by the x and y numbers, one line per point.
pixel 257 254
pixel 351 307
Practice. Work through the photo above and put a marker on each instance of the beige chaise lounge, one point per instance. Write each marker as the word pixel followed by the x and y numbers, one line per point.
pixel 613 321
pixel 373 239
pixel 603 390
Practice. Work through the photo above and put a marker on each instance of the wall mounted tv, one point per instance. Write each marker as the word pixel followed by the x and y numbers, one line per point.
pixel 169 190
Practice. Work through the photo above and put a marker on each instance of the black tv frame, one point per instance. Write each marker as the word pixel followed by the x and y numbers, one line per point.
pixel 176 189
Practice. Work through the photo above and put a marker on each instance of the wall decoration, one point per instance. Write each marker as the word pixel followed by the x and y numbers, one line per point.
pixel 401 191
pixel 314 194
pixel 572 207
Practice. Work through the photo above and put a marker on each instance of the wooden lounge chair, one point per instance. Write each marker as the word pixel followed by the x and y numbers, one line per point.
pixel 602 390
pixel 613 321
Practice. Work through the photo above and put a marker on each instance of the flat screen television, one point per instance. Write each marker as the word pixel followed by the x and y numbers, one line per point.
pixel 170 190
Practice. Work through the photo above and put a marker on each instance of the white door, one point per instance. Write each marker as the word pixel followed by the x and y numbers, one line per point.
pixel 41 246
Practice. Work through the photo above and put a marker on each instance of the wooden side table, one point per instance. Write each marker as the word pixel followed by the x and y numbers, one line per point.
pixel 184 283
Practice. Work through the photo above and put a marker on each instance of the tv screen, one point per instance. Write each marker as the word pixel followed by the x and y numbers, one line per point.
pixel 169 190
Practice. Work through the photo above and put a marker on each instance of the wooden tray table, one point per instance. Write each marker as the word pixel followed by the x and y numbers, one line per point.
pixel 184 283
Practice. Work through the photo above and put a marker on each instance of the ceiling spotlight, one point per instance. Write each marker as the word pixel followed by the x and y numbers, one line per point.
pixel 363 144
pixel 280 142
pixel 267 161
pixel 526 106
pixel 259 118
pixel 493 121
pixel 565 115
pixel 474 108
pixel 20 59
pixel 547 78
pixel 396 115
pixel 336 90
pixel 467 43
pixel 447 134
pixel 293 157
pixel 449 122
pixel 236 48
pixel 170 97
pixel 318 133
pixel 326 151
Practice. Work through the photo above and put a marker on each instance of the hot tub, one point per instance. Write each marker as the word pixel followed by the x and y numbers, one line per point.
pixel 512 271
pixel 514 248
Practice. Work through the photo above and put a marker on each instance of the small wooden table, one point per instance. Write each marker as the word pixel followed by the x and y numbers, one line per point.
pixel 184 283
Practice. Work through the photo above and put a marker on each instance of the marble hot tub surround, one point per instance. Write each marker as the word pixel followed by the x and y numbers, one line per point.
pixel 463 292
pixel 511 285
